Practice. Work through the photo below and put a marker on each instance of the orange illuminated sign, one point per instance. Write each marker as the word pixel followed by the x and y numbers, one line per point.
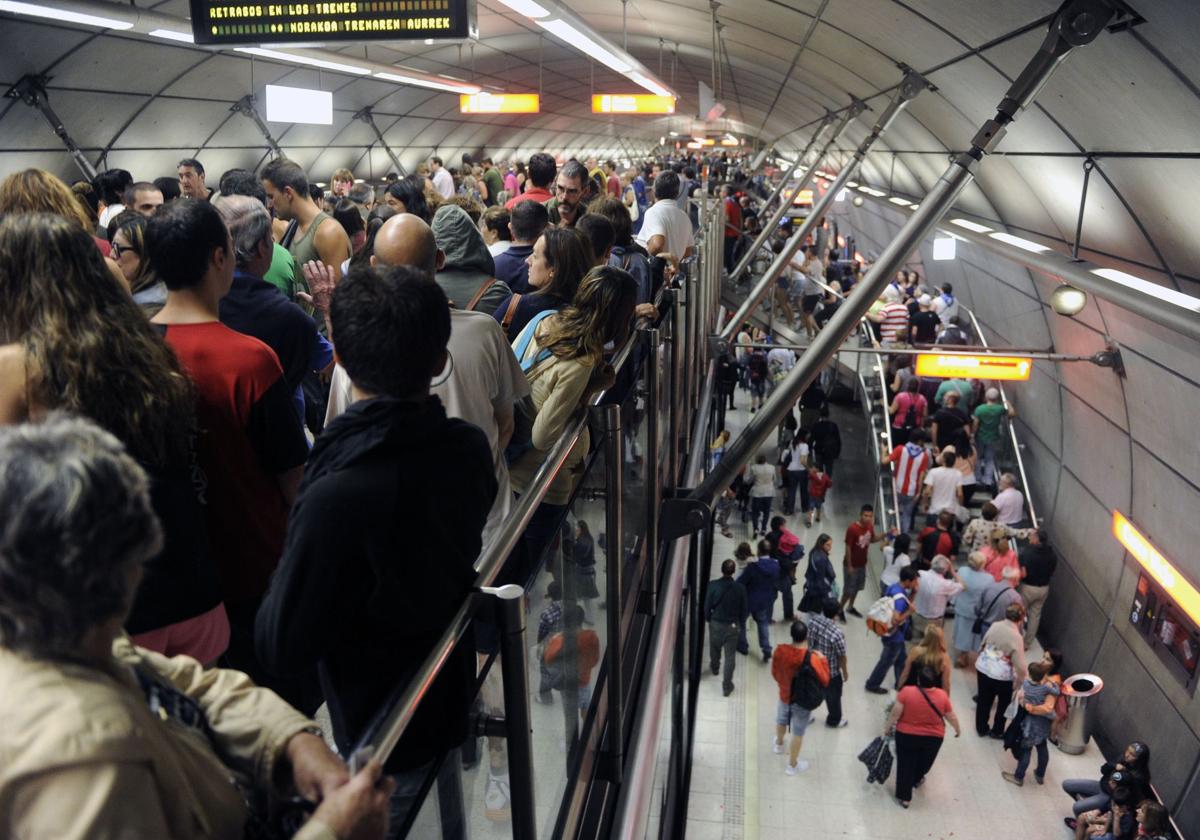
pixel 499 103
pixel 1175 585
pixel 632 103
pixel 803 197
pixel 731 141
pixel 974 367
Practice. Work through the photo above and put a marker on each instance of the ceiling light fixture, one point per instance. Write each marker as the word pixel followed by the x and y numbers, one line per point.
pixel 858 201
pixel 971 226
pixel 944 248
pixel 62 15
pixel 294 58
pixel 172 35
pixel 527 7
pixel 568 33
pixel 872 191
pixel 1146 287
pixel 1018 242
pixel 411 80
pixel 903 202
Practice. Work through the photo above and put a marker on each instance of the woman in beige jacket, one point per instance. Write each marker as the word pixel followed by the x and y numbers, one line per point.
pixel 99 738
pixel 572 342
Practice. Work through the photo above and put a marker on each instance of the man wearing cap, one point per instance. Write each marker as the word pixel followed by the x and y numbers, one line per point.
pixel 924 323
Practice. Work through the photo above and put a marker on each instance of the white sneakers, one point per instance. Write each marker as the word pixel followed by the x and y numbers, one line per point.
pixel 776 747
pixel 799 767
pixel 495 799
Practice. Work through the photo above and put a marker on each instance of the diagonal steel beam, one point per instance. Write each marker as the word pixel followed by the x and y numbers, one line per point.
pixel 769 226
pixel 1077 23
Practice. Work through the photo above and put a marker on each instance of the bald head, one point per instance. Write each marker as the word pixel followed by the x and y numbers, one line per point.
pixel 405 239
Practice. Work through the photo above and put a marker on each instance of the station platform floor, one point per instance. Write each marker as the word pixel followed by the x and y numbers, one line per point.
pixel 739 790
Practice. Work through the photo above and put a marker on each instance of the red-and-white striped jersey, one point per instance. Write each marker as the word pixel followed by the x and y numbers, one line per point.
pixel 909 462
pixel 894 326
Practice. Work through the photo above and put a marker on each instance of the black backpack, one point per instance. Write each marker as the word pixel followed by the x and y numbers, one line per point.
pixel 910 415
pixel 806 687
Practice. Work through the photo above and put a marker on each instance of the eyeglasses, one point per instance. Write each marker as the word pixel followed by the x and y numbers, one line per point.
pixel 116 250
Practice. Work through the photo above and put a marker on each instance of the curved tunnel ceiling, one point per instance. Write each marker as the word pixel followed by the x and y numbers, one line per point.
pixel 1130 100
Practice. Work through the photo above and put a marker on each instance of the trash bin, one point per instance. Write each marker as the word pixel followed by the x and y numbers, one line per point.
pixel 1079 690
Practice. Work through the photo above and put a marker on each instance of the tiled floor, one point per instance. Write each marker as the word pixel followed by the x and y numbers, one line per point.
pixel 739 789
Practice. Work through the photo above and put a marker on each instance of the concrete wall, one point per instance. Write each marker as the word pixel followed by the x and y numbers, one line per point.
pixel 1095 442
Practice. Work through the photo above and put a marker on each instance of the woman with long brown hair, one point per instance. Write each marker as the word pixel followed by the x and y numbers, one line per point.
pixel 73 340
pixel 37 191
pixel 563 356
pixel 560 258
pixel 128 238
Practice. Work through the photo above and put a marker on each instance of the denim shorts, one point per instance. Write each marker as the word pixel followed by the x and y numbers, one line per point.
pixel 797 716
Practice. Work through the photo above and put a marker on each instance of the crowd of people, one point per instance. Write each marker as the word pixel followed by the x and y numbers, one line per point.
pixel 222 409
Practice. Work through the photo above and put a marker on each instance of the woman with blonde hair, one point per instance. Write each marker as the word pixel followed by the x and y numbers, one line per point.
pixel 37 191
pixel 966 605
pixel 929 653
pixel 998 554
pixel 563 358
pixel 72 340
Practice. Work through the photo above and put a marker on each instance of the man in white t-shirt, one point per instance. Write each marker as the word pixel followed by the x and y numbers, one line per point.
pixel 666 229
pixel 1009 502
pixel 946 305
pixel 943 485
pixel 938 585
pixel 443 181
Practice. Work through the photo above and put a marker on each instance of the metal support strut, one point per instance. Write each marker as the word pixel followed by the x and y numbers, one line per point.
pixel 32 91
pixel 910 86
pixel 614 469
pixel 1078 22
pixel 514 671
pixel 246 107
pixel 763 286
pixel 367 116
pixel 769 226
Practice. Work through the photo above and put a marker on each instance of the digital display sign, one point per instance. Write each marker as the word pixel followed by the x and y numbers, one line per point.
pixel 632 103
pixel 499 103
pixel 1008 368
pixel 221 22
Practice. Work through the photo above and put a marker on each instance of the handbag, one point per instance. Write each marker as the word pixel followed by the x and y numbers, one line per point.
pixel 878 758
pixel 977 625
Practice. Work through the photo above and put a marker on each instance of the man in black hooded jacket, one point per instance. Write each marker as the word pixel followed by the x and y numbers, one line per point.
pixel 386 529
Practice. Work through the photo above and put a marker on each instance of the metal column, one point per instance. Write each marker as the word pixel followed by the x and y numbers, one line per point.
pixel 614 464
pixel 1077 23
pixel 769 226
pixel 911 85
pixel 650 342
pixel 246 107
pixel 518 727
pixel 369 118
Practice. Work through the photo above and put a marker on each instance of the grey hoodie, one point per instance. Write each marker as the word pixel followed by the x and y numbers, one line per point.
pixel 468 263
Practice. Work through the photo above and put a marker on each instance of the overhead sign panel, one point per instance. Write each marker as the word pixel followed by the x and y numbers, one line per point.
pixel 632 103
pixel 499 103
pixel 299 105
pixel 223 22
pixel 1008 368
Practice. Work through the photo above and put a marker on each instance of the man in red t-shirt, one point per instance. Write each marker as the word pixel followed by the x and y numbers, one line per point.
pixel 859 537
pixel 733 224
pixel 250 449
pixel 787 660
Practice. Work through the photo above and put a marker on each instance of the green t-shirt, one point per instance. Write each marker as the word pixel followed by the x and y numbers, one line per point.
pixel 989 416
pixel 282 273
pixel 964 392
pixel 495 184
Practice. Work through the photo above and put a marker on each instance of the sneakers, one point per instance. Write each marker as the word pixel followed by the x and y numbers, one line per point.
pixel 854 612
pixel 766 656
pixel 716 669
pixel 877 689
pixel 727 690
pixel 799 767
pixel 841 724
pixel 1011 778
pixel 495 799
pixel 776 747
pixel 1041 780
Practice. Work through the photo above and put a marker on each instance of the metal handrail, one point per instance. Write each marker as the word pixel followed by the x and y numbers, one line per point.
pixel 1012 432
pixel 379 741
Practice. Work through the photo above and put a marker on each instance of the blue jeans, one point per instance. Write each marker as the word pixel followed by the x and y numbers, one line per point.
pixel 908 510
pixel 1092 797
pixel 451 810
pixel 760 510
pixel 891 657
pixel 1043 754
pixel 797 480
pixel 985 461
pixel 762 618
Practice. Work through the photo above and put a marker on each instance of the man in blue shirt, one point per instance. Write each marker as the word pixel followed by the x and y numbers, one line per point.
pixel 761 580
pixel 527 221
pixel 892 655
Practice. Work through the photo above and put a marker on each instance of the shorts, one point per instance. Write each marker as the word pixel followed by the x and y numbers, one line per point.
pixel 758 387
pixel 808 303
pixel 856 579
pixel 798 716
pixel 816 504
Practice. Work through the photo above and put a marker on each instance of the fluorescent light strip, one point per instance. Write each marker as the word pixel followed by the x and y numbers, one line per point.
pixel 972 226
pixel 411 80
pixel 303 59
pixel 1018 242
pixel 62 15
pixel 903 202
pixel 649 84
pixel 526 7
pixel 852 184
pixel 1131 281
pixel 172 35
pixel 872 191
pixel 573 37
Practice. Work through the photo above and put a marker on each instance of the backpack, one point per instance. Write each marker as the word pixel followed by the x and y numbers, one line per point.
pixel 910 415
pixel 882 615
pixel 524 412
pixel 806 686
